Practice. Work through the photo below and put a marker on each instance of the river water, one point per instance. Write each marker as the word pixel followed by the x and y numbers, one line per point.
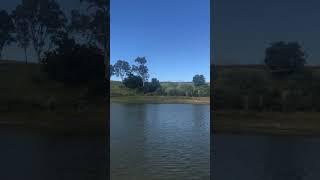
pixel 160 141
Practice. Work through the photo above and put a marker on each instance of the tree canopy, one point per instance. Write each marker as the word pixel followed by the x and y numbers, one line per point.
pixel 6 29
pixel 141 69
pixel 121 69
pixel 42 19
pixel 285 57
pixel 133 81
pixel 199 80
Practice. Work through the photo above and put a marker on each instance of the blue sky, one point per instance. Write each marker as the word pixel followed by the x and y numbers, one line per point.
pixel 173 35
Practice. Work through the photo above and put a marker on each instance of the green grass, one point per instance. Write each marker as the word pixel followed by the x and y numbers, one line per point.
pixel 271 123
pixel 91 122
pixel 230 79
pixel 120 94
pixel 21 82
pixel 24 92
pixel 118 89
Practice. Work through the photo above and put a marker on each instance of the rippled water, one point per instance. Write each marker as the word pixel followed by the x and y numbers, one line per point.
pixel 28 156
pixel 159 141
pixel 245 157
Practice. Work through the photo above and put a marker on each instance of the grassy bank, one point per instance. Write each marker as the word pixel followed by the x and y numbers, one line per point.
pixel 161 99
pixel 120 94
pixel 25 95
pixel 249 99
pixel 268 123
pixel 92 122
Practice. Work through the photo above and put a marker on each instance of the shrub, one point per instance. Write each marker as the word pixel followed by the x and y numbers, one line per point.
pixel 202 91
pixel 75 64
pixel 170 91
pixel 187 89
pixel 133 82
pixel 152 86
pixel 198 80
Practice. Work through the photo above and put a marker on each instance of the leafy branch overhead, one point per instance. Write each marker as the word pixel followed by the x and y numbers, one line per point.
pixel 6 28
pixel 93 24
pixel 41 20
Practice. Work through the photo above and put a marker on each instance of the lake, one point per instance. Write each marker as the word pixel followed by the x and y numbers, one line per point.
pixel 160 141
pixel 245 157
pixel 155 141
pixel 31 156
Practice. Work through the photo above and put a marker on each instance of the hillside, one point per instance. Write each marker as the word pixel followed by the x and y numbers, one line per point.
pixel 248 99
pixel 30 99
pixel 170 92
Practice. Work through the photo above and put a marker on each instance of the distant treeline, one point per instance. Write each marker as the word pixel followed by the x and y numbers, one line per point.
pixel 283 84
pixel 135 77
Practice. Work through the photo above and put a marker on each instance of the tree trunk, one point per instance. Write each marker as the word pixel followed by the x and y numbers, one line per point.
pixel 25 55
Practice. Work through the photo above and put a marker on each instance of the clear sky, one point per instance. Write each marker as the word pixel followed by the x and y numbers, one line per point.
pixel 173 35
pixel 243 29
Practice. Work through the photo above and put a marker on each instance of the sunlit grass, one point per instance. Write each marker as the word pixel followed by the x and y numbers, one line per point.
pixel 161 99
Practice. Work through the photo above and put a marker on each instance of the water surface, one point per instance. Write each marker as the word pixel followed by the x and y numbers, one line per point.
pixel 27 155
pixel 159 141
pixel 244 157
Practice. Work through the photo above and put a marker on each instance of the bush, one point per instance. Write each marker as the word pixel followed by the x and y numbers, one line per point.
pixel 75 64
pixel 202 91
pixel 187 89
pixel 152 86
pixel 170 91
pixel 198 80
pixel 284 58
pixel 133 82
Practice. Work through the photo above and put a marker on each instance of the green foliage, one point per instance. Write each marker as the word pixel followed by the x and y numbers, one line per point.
pixel 75 64
pixel 141 69
pixel 152 86
pixel 43 18
pixel 133 82
pixel 121 69
pixel 22 32
pixel 185 89
pixel 199 80
pixel 236 88
pixel 188 89
pixel 117 88
pixel 171 91
pixel 111 70
pixel 202 91
pixel 89 24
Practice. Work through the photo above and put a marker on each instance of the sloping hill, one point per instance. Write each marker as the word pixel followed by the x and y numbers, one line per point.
pixel 29 98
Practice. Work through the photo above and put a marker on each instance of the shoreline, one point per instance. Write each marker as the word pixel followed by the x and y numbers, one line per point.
pixel 267 123
pixel 57 122
pixel 160 100
pixel 94 122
